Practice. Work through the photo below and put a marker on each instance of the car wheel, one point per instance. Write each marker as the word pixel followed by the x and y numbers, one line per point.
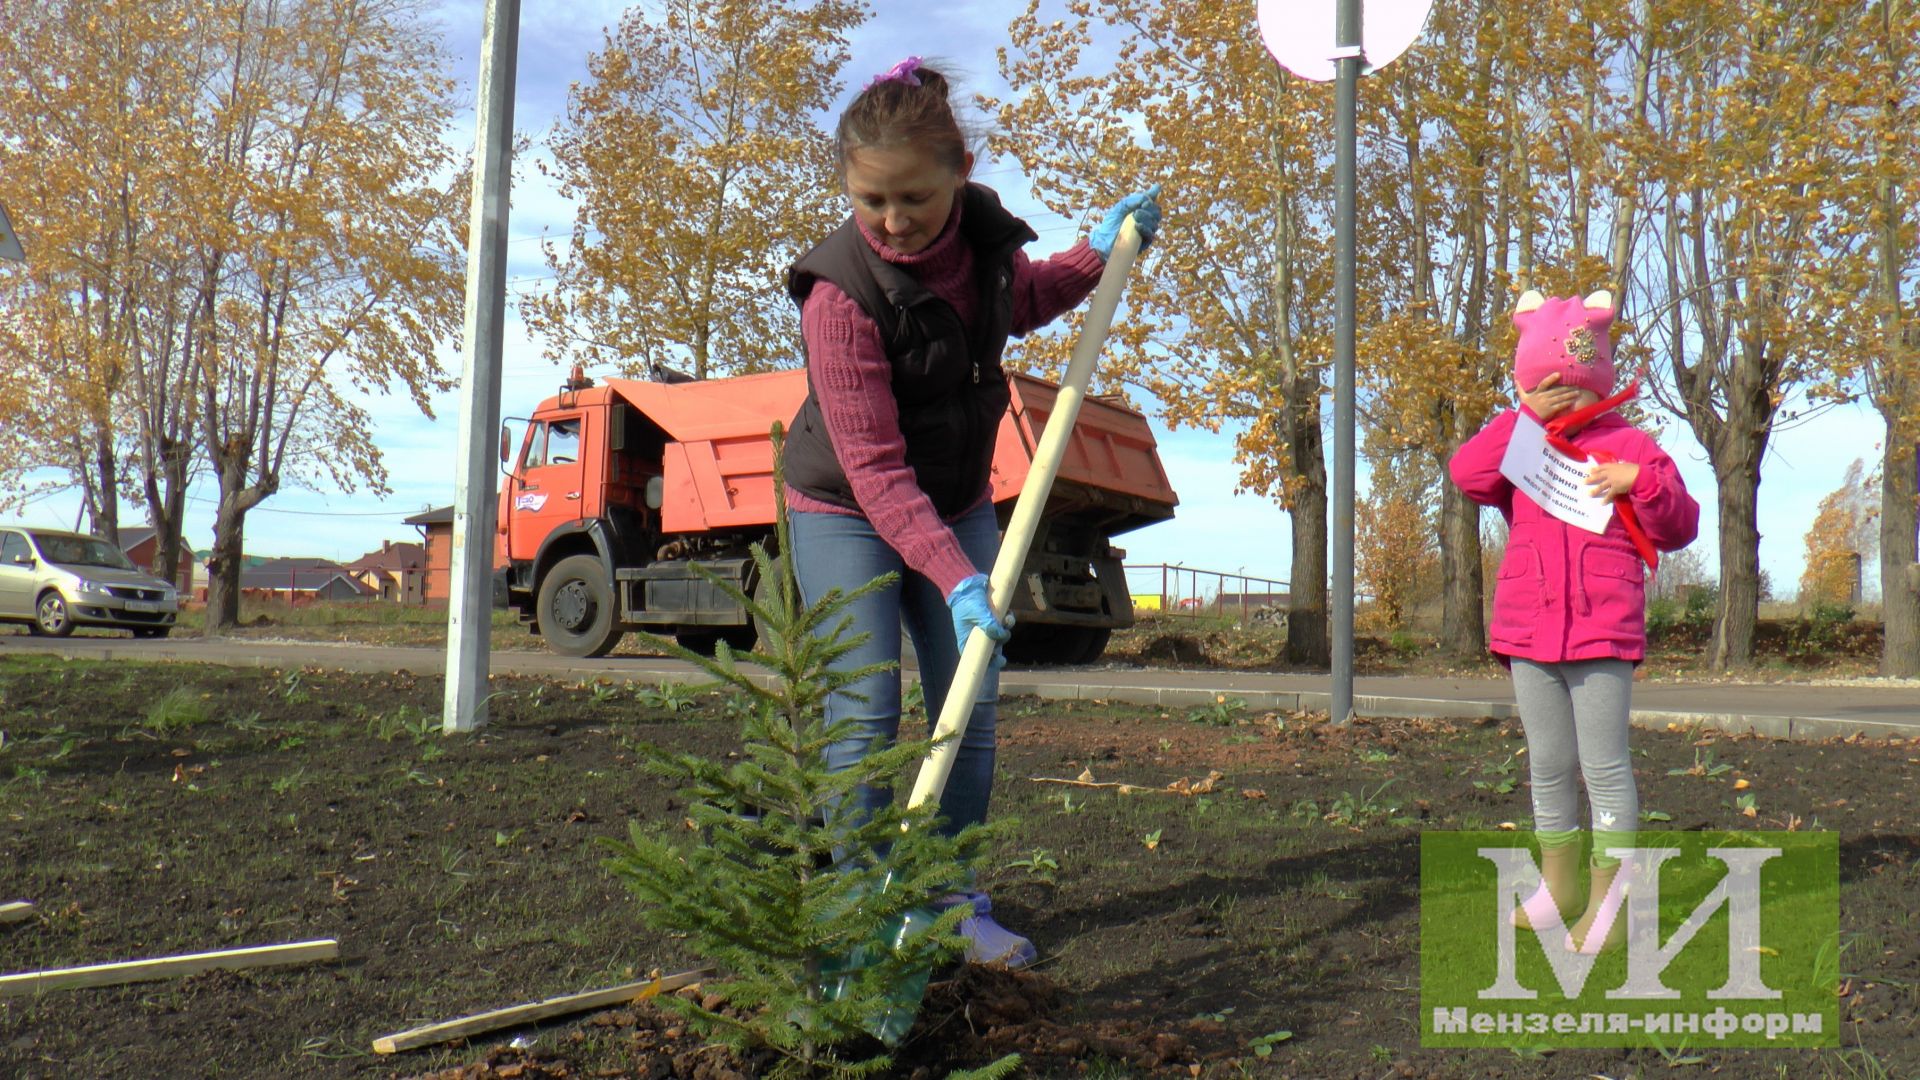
pixel 576 608
pixel 50 615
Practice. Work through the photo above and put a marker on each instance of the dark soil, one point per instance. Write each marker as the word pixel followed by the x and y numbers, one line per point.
pixel 150 810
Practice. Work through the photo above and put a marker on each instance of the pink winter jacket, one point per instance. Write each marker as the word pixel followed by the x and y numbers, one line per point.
pixel 1564 593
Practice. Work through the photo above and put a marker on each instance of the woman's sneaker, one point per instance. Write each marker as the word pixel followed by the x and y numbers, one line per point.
pixel 987 941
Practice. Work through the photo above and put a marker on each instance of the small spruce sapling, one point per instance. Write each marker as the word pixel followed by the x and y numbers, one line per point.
pixel 758 885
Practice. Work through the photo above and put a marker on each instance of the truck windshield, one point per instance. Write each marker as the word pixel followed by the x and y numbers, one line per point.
pixel 80 551
pixel 556 442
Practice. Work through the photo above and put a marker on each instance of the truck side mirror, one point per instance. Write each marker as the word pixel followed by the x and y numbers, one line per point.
pixel 506 443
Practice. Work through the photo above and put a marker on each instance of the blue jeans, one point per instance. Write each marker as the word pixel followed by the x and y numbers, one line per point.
pixel 843 551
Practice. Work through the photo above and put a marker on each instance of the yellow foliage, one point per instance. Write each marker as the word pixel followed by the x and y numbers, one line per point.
pixel 1843 539
pixel 1231 317
pixel 700 176
pixel 1396 554
pixel 237 221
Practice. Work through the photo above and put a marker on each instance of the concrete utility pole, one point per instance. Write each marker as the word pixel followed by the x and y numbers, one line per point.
pixel 470 607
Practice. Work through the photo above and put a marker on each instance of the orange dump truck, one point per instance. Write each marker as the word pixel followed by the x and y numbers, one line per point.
pixel 618 490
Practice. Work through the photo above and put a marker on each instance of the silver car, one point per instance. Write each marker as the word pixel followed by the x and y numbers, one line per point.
pixel 55 581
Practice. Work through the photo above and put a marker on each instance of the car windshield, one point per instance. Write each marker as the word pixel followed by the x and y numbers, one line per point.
pixel 80 551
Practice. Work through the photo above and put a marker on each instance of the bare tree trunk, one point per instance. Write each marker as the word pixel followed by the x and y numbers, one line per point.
pixel 166 494
pixel 1899 553
pixel 105 502
pixel 1463 619
pixel 223 570
pixel 229 543
pixel 1309 640
pixel 1736 468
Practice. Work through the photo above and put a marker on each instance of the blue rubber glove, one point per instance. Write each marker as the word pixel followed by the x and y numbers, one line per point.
pixel 1145 208
pixel 972 605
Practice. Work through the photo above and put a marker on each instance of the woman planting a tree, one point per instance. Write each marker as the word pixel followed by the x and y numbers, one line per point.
pixel 905 312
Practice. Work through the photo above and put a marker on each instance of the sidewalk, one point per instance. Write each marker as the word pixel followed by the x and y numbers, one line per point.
pixel 1778 710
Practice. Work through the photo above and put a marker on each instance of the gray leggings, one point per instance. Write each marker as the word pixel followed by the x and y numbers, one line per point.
pixel 1575 713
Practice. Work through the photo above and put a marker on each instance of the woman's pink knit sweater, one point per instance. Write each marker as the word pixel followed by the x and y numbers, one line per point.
pixel 854 384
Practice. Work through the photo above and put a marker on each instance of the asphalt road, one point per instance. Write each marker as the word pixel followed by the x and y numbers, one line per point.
pixel 1782 710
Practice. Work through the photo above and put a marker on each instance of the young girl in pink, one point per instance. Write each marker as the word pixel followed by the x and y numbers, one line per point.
pixel 1569 608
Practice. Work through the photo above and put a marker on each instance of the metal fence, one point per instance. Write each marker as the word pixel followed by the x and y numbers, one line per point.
pixel 1186 592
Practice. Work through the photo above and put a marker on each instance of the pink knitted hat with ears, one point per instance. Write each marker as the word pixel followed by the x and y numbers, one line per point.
pixel 1567 335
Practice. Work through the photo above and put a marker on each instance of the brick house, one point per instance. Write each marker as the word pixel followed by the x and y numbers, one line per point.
pixel 397 572
pixel 302 581
pixel 142 545
pixel 436 533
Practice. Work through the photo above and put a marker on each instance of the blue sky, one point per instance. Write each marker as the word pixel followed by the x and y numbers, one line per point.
pixel 1215 528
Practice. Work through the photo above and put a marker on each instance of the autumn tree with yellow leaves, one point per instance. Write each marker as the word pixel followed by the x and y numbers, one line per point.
pixel 1843 539
pixel 1743 284
pixel 245 223
pixel 1882 205
pixel 700 174
pixel 1491 170
pixel 89 98
pixel 1396 551
pixel 326 246
pixel 1230 322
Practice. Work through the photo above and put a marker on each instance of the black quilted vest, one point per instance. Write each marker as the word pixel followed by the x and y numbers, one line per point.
pixel 947 382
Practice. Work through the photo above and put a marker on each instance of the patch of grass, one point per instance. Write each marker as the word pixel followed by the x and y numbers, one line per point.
pixel 670 697
pixel 416 724
pixel 1039 866
pixel 1264 1044
pixel 1358 809
pixel 179 709
pixel 1223 711
pixel 1703 765
pixel 1504 776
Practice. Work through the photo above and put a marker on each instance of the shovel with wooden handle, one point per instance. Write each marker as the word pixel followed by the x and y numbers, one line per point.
pixel 976 658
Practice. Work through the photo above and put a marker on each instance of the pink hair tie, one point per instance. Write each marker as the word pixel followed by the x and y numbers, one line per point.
pixel 900 72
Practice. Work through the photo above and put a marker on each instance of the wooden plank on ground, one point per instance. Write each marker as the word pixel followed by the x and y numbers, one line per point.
pixel 168 967
pixel 19 911
pixel 514 1015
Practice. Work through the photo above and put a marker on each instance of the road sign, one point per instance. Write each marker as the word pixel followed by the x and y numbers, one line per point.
pixel 1300 33
pixel 10 241
pixel 1335 40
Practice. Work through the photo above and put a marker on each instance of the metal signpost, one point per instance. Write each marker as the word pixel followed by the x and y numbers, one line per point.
pixel 470 607
pixel 1321 40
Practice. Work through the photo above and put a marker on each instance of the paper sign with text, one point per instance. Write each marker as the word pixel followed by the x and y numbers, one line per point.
pixel 1552 479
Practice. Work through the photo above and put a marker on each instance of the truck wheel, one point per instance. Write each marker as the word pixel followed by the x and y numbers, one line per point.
pixel 576 608
pixel 1045 643
pixel 1093 642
